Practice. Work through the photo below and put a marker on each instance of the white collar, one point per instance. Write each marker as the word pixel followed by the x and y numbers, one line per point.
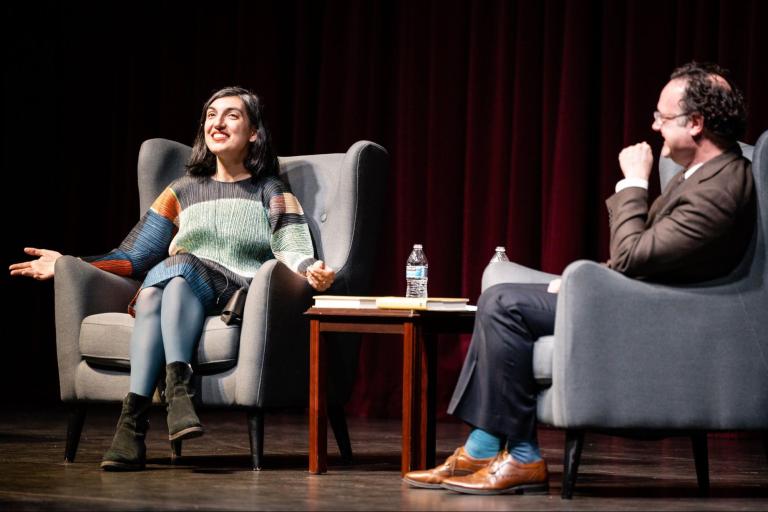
pixel 692 170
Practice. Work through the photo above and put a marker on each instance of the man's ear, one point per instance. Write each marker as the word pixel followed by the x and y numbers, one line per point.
pixel 697 124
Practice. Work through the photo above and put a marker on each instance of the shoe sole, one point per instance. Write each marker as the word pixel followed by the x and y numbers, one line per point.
pixel 517 489
pixel 426 485
pixel 187 433
pixel 111 465
pixel 422 485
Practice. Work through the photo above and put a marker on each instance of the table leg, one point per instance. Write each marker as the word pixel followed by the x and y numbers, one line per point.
pixel 318 415
pixel 412 398
pixel 428 386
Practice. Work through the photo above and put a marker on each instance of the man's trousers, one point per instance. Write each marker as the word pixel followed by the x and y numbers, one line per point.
pixel 496 390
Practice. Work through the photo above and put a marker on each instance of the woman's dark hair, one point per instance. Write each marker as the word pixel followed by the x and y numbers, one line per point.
pixel 711 93
pixel 261 159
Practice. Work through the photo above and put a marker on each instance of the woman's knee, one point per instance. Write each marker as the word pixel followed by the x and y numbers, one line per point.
pixel 178 289
pixel 176 282
pixel 148 300
pixel 178 295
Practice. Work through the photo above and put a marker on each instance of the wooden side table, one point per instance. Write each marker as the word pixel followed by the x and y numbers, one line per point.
pixel 418 330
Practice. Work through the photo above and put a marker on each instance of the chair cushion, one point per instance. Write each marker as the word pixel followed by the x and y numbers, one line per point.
pixel 542 360
pixel 105 342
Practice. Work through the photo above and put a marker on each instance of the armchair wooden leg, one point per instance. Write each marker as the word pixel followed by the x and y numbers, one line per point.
pixel 701 458
pixel 765 443
pixel 338 421
pixel 574 442
pixel 74 429
pixel 175 449
pixel 256 436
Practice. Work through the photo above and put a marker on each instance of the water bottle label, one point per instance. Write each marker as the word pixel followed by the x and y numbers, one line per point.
pixel 415 272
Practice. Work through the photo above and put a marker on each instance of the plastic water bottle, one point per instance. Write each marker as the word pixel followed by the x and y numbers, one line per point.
pixel 416 273
pixel 499 255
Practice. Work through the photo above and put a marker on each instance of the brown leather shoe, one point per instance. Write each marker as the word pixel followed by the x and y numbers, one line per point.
pixel 458 464
pixel 503 476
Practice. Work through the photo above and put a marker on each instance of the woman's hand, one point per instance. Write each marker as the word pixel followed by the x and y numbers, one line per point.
pixel 41 268
pixel 319 276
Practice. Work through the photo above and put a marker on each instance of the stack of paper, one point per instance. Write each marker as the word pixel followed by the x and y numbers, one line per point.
pixel 425 303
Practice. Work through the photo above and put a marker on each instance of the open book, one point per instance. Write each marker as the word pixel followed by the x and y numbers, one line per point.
pixel 366 302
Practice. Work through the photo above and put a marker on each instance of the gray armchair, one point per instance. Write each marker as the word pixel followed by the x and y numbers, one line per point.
pixel 649 360
pixel 264 363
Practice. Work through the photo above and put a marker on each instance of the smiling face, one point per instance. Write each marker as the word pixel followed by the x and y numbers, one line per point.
pixel 227 129
pixel 678 130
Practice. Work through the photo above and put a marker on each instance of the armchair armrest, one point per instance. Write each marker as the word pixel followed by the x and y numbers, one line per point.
pixel 633 354
pixel 80 289
pixel 508 272
pixel 273 332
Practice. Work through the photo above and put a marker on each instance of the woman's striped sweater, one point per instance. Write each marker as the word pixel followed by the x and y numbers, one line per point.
pixel 214 234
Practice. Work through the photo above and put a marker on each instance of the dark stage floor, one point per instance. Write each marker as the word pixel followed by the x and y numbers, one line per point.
pixel 214 474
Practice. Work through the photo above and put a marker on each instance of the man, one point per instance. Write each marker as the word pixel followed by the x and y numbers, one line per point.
pixel 698 229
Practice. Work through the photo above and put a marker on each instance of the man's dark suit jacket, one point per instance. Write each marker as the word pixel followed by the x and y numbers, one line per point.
pixel 696 230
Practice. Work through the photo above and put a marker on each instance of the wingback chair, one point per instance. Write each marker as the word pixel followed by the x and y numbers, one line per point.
pixel 648 360
pixel 262 364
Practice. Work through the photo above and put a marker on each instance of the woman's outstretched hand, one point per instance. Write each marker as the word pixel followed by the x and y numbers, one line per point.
pixel 41 268
pixel 319 276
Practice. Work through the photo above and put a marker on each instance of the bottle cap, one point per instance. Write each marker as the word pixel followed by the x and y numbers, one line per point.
pixel 417 246
pixel 500 248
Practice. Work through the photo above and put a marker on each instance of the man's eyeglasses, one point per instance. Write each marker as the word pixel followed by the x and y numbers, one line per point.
pixel 658 117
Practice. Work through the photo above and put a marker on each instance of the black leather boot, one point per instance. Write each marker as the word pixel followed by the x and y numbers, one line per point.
pixel 128 451
pixel 183 422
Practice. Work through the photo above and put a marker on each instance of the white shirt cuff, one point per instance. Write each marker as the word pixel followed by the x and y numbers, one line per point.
pixel 631 182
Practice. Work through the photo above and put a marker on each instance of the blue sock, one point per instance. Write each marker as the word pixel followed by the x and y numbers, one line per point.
pixel 481 444
pixel 524 451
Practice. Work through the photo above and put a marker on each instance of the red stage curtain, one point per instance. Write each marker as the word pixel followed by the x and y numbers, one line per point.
pixel 504 120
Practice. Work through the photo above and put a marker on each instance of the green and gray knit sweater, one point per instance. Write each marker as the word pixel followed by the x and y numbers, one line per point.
pixel 214 234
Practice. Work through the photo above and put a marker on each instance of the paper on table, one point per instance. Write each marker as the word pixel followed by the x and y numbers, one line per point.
pixel 369 302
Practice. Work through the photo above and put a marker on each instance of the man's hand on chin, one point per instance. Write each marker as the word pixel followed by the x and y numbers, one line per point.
pixel 636 161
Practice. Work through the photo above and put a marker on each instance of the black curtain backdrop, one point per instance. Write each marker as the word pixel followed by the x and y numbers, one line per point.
pixel 504 120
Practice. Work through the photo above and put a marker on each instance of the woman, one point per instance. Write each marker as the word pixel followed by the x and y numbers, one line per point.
pixel 202 239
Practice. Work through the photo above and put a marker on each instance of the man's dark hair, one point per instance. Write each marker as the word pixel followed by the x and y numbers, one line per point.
pixel 710 93
pixel 261 159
